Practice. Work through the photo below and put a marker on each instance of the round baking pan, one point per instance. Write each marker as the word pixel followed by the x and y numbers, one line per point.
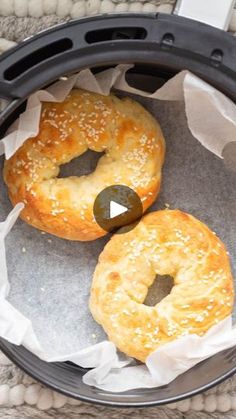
pixel 160 46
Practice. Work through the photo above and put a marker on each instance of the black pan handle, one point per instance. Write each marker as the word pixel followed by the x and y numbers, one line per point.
pixel 43 58
pixel 170 40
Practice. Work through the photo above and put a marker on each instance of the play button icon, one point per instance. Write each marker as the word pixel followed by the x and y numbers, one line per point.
pixel 117 206
pixel 116 209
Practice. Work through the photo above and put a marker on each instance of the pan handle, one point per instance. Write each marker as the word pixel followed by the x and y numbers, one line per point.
pixel 202 11
pixel 41 59
pixel 158 39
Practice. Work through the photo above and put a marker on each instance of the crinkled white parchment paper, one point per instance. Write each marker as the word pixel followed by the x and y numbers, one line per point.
pixel 211 119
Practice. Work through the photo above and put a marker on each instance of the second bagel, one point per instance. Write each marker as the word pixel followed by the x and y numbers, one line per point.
pixel 167 242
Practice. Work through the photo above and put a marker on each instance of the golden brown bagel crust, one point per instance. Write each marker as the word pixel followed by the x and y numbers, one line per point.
pixel 134 153
pixel 167 242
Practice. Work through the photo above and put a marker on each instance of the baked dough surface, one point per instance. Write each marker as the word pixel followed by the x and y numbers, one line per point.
pixel 134 150
pixel 167 242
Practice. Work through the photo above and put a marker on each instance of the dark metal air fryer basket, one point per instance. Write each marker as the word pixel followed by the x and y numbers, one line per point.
pixel 159 45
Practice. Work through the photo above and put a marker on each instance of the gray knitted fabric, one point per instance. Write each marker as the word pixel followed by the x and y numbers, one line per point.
pixel 20 19
pixel 17 29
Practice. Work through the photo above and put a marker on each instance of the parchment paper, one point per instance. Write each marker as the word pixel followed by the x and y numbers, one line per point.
pixel 46 307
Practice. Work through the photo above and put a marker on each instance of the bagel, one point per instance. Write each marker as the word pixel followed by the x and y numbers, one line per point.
pixel 134 150
pixel 167 242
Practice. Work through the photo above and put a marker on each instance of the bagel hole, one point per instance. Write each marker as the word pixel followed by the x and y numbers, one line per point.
pixel 81 166
pixel 160 288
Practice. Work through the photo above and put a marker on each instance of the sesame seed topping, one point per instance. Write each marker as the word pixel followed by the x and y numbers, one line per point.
pixel 199 318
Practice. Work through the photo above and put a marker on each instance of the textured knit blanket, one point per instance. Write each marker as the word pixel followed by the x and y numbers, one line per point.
pixel 20 396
